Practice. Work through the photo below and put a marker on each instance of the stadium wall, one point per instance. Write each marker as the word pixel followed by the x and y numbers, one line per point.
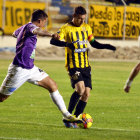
pixel 106 20
pixel 126 50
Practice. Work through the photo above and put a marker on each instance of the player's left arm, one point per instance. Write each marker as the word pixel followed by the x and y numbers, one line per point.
pixel 97 45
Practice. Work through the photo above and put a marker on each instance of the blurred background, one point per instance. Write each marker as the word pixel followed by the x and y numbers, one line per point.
pixel 116 22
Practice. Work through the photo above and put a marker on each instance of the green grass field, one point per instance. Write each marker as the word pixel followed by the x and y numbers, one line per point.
pixel 29 114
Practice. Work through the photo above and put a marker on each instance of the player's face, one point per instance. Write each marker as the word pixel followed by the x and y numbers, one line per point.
pixel 43 22
pixel 79 20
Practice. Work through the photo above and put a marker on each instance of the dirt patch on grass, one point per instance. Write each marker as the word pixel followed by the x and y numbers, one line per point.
pixel 125 53
pixel 120 53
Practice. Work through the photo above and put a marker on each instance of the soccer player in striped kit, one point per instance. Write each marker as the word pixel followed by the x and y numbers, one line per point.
pixel 76 34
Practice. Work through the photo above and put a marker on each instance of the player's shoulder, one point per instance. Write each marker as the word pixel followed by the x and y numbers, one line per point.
pixel 66 28
pixel 30 24
pixel 67 25
pixel 86 25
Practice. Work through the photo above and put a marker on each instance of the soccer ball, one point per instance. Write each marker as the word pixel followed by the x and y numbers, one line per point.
pixel 87 120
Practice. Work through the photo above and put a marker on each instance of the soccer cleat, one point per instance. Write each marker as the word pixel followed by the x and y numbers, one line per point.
pixel 71 125
pixel 75 125
pixel 71 121
pixel 72 118
pixel 68 124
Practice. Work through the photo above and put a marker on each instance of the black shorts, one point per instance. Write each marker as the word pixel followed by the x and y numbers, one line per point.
pixel 80 74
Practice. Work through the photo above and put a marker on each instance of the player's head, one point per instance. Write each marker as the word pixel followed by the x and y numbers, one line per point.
pixel 79 16
pixel 40 17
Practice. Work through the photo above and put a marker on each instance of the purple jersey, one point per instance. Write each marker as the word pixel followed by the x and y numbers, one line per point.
pixel 25 47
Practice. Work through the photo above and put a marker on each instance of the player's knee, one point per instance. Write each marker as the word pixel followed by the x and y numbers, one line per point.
pixel 85 97
pixel 81 90
pixel 80 87
pixel 53 87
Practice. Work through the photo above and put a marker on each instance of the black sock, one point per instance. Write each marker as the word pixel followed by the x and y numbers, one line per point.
pixel 80 108
pixel 73 101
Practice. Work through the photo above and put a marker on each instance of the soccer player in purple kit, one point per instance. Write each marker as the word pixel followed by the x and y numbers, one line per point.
pixel 22 68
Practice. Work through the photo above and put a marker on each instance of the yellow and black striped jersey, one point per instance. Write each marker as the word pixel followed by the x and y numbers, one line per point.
pixel 77 58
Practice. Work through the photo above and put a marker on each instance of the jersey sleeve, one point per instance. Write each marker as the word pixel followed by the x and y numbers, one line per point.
pixel 31 28
pixel 16 32
pixel 90 34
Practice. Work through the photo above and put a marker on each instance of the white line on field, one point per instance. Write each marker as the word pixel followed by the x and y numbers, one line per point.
pixel 42 124
pixel 12 138
pixel 115 129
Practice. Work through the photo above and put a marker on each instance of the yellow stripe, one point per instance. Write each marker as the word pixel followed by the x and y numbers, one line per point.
pixel 76 54
pixel 82 54
pixel 86 58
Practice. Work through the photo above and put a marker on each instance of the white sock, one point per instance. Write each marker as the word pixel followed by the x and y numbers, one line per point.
pixel 58 100
pixel 129 82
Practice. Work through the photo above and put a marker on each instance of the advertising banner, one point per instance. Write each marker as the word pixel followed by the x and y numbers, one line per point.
pixel 18 13
pixel 108 21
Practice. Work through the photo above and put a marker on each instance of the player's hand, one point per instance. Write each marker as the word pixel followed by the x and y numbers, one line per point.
pixel 70 45
pixel 126 88
pixel 110 47
pixel 56 36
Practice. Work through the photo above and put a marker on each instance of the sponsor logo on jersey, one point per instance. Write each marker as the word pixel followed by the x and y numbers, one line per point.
pixel 81 50
pixel 80 42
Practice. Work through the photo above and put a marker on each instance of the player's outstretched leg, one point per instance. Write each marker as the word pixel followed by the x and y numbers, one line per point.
pixel 51 86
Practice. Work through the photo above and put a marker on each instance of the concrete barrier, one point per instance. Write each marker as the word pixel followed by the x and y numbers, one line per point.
pixel 44 42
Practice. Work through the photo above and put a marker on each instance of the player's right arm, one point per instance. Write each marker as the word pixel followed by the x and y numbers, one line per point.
pixel 59 43
pixel 57 40
pixel 40 32
pixel 133 74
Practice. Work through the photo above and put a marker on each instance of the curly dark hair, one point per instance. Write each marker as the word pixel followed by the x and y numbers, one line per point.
pixel 38 14
pixel 80 10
